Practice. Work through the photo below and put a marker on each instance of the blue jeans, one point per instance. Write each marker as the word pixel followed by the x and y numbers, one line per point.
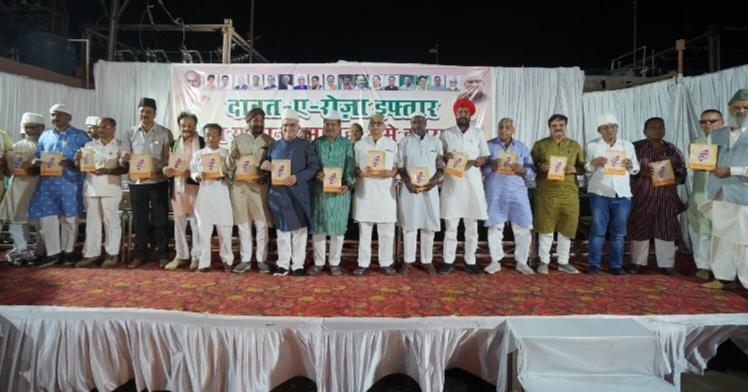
pixel 609 215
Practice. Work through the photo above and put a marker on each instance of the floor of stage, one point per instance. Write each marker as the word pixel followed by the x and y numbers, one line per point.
pixel 418 294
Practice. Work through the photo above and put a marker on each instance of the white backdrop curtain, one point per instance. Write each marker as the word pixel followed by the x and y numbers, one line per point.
pixel 19 94
pixel 531 95
pixel 119 87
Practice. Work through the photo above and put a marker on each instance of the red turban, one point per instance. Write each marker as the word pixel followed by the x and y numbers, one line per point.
pixel 464 103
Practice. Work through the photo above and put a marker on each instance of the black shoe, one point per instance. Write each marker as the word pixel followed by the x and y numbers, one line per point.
pixel 593 270
pixel 47 261
pixel 360 271
pixel 618 272
pixel 281 272
pixel 299 272
pixel 635 269
pixel 444 269
pixel 389 271
pixel 472 269
pixel 68 259
pixel 670 271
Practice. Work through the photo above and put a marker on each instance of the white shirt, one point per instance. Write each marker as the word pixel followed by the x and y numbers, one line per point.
pixel 463 197
pixel 419 210
pixel 213 205
pixel 374 200
pixel 610 185
pixel 105 156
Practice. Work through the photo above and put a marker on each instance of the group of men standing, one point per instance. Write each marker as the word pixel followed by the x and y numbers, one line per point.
pixel 455 176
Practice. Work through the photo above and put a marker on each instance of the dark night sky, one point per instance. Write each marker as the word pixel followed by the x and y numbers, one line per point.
pixel 515 33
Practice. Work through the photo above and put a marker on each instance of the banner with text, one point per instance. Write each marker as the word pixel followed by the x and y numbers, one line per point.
pixel 225 93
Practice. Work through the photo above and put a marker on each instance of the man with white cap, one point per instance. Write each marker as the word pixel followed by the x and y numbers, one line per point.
pixel 330 210
pixel 249 198
pixel 609 192
pixel 419 203
pixel 728 195
pixel 58 200
pixel 15 203
pixel 92 126
pixel 149 197
pixel 507 198
pixel 289 202
pixel 463 196
pixel 374 201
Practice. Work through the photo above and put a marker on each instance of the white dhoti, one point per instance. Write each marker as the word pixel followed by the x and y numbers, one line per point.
pixel 728 252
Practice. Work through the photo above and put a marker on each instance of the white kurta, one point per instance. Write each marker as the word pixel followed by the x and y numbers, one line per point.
pixel 463 197
pixel 213 205
pixel 374 200
pixel 419 210
pixel 107 157
pixel 15 203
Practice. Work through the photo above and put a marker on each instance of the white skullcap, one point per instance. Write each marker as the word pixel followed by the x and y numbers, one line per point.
pixel 32 118
pixel 418 114
pixel 333 115
pixel 59 107
pixel 607 118
pixel 290 114
pixel 92 121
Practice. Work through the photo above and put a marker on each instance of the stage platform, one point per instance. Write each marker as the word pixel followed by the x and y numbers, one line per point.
pixel 75 329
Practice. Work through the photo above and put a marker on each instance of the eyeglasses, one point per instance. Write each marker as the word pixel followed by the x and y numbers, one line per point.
pixel 708 121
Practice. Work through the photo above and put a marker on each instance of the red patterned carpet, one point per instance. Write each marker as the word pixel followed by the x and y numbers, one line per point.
pixel 374 295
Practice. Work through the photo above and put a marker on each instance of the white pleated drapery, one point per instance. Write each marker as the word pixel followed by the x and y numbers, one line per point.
pixel 54 349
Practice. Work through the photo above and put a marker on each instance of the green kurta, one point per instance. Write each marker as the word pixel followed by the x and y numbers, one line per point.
pixel 698 195
pixel 556 204
pixel 329 210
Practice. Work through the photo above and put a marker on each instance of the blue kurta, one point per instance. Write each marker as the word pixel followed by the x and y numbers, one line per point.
pixel 291 206
pixel 61 195
pixel 506 195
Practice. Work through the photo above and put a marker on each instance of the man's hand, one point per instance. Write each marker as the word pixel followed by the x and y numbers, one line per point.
pixel 235 153
pixel 544 167
pixel 320 176
pixel 519 169
pixel 267 166
pixel 628 164
pixel 291 181
pixel 570 169
pixel 126 157
pixel 599 162
pixel 721 172
pixel 343 189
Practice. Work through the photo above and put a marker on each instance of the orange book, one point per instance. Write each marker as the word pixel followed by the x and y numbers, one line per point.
pixel 246 168
pixel 702 156
pixel 333 179
pixel 456 166
pixel 87 163
pixel 557 169
pixel 211 166
pixel 281 171
pixel 662 173
pixel 615 165
pixel 51 164
pixel 506 160
pixel 19 163
pixel 141 166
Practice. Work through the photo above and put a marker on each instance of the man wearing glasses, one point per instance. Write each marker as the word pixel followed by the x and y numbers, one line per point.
pixel 699 227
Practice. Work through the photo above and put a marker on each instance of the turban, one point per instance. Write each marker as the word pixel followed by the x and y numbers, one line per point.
pixel 254 113
pixel 464 103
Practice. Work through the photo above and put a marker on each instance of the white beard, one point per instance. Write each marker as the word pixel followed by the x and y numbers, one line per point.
pixel 737 122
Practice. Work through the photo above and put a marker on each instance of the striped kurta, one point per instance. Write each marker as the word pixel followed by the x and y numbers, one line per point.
pixel 654 211
pixel 329 210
